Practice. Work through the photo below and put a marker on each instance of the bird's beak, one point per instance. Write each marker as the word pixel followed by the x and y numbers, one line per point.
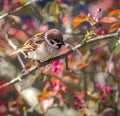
pixel 63 43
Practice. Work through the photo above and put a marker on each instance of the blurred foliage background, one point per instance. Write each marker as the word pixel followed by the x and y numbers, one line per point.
pixel 86 83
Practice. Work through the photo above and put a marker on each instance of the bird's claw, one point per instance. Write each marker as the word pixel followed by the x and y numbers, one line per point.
pixel 22 51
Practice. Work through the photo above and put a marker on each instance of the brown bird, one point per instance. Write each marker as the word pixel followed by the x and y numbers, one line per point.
pixel 43 46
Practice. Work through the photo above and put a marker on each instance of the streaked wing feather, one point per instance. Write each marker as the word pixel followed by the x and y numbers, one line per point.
pixel 33 42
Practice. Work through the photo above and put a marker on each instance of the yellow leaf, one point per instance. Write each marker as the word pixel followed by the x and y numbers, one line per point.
pixel 54 8
pixel 43 96
pixel 70 79
pixel 114 12
pixel 22 1
pixel 82 65
pixel 78 20
pixel 78 64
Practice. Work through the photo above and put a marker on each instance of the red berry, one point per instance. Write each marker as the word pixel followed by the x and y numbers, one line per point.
pixel 79 107
pixel 109 90
pixel 102 32
pixel 98 10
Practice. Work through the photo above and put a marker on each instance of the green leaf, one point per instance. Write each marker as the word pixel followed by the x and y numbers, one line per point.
pixel 116 43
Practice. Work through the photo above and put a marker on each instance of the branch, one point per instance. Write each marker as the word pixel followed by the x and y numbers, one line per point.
pixel 15 48
pixel 34 68
pixel 17 9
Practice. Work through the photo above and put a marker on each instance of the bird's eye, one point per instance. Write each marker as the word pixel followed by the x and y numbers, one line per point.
pixel 51 41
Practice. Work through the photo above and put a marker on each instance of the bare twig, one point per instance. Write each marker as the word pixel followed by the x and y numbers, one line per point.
pixel 17 9
pixel 15 48
pixel 34 68
pixel 10 42
pixel 35 12
pixel 33 107
pixel 66 63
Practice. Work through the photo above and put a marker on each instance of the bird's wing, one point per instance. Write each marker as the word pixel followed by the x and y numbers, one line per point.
pixel 33 42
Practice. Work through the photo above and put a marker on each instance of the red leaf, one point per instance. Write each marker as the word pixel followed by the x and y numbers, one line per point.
pixel 114 27
pixel 18 34
pixel 3 43
pixel 109 20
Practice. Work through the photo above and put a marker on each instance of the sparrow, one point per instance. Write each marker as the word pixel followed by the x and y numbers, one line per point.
pixel 43 46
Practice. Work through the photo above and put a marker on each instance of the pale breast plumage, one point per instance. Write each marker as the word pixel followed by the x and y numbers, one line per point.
pixel 33 42
pixel 43 53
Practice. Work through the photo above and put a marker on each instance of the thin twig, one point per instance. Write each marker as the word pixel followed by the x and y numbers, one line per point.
pixel 10 42
pixel 35 12
pixel 17 9
pixel 15 48
pixel 33 107
pixel 34 68
pixel 66 63
pixel 21 62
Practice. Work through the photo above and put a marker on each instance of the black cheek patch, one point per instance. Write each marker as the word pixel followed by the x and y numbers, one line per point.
pixel 59 46
pixel 51 42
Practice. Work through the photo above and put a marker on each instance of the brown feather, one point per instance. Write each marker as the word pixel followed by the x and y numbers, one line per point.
pixel 32 43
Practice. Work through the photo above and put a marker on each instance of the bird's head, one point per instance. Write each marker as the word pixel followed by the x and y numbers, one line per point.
pixel 54 38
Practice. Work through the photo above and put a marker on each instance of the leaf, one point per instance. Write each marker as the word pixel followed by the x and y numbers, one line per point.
pixel 18 34
pixel 46 103
pixel 3 43
pixel 114 12
pixel 116 43
pixel 30 95
pixel 109 20
pixel 43 96
pixel 28 65
pixel 15 18
pixel 114 27
pixel 22 1
pixel 79 64
pixel 78 20
pixel 70 79
pixel 54 8
pixel 82 65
